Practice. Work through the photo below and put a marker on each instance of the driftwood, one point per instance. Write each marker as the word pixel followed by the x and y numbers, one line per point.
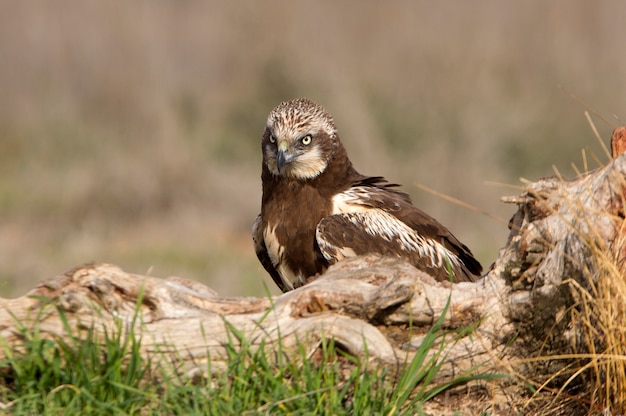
pixel 520 309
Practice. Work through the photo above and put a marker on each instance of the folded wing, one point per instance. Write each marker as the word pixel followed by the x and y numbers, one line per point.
pixel 372 217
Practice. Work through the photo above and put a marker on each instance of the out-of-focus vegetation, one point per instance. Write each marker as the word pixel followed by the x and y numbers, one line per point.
pixel 129 131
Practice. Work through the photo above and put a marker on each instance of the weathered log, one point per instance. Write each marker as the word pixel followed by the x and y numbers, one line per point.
pixel 520 308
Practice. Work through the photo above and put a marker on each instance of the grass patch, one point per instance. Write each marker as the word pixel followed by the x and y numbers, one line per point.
pixel 91 372
pixel 84 373
pixel 602 318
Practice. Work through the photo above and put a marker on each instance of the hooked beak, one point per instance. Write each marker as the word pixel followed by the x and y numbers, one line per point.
pixel 282 157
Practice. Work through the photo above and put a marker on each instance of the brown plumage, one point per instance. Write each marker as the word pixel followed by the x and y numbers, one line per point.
pixel 317 209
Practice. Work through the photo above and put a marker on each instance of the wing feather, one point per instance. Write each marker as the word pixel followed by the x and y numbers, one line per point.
pixel 263 256
pixel 372 217
pixel 375 231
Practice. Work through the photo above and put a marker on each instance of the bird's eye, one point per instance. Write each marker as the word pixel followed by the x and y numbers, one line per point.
pixel 306 140
pixel 272 138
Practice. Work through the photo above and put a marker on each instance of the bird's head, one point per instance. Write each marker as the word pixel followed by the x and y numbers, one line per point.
pixel 299 140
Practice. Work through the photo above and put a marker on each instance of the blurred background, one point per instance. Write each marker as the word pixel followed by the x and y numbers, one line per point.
pixel 130 131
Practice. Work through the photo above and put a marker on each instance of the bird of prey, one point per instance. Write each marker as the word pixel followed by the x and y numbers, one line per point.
pixel 317 209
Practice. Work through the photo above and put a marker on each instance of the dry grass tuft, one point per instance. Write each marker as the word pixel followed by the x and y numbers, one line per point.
pixel 598 374
pixel 590 354
pixel 603 324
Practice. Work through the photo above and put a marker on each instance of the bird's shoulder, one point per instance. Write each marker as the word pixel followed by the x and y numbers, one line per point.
pixel 371 192
pixel 376 192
